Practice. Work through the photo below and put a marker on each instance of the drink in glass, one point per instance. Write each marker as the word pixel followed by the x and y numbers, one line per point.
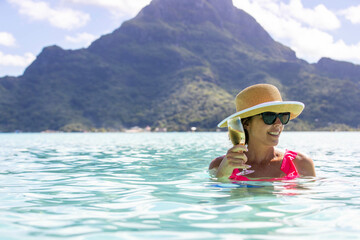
pixel 237 136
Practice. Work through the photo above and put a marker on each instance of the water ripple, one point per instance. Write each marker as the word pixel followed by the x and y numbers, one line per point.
pixel 156 186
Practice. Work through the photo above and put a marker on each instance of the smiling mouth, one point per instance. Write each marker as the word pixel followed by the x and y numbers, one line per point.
pixel 276 134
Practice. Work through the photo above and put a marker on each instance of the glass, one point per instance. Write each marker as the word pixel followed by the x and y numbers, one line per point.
pixel 237 136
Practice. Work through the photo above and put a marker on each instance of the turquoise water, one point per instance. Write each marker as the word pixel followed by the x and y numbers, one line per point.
pixel 156 186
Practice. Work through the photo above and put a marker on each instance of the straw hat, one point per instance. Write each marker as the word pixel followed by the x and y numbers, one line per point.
pixel 261 98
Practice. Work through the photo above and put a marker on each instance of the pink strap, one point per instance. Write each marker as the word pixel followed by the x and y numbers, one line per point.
pixel 288 166
pixel 236 177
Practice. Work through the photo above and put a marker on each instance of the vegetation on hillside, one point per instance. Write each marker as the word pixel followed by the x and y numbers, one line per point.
pixel 174 69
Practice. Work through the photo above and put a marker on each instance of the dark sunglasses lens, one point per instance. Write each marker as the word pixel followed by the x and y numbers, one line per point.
pixel 269 117
pixel 284 117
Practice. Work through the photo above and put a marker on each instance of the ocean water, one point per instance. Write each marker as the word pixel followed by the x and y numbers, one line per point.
pixel 156 186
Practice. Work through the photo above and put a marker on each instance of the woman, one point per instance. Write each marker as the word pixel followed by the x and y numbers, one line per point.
pixel 263 115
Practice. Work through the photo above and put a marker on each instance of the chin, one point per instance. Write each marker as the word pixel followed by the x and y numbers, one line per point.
pixel 273 141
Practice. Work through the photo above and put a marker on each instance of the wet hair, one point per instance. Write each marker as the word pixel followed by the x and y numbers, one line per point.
pixel 244 121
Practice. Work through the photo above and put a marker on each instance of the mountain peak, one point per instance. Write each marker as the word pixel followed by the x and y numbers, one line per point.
pixel 187 11
pixel 338 69
pixel 217 18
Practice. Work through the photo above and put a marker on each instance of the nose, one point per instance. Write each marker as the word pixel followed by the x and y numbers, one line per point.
pixel 277 121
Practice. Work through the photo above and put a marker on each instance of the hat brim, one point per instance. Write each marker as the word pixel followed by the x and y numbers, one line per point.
pixel 295 108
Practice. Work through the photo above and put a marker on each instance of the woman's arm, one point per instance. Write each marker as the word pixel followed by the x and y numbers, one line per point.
pixel 234 158
pixel 216 162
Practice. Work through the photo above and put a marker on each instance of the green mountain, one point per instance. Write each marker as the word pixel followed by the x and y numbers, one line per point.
pixel 177 64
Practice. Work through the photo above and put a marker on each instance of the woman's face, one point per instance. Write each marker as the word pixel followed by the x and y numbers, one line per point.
pixel 261 133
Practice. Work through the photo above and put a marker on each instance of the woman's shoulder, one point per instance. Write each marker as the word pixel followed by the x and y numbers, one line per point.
pixel 304 164
pixel 302 158
pixel 299 157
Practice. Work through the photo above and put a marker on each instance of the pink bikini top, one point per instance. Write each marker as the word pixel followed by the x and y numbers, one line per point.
pixel 287 167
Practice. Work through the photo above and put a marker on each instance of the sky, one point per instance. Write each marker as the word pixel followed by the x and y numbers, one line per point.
pixel 312 28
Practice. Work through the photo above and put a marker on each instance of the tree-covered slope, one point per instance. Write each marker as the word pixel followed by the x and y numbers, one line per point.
pixel 177 64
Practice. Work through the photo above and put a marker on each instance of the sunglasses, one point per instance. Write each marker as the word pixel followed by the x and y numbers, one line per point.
pixel 270 117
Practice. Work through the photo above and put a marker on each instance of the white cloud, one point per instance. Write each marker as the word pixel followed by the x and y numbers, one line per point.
pixel 7 39
pixel 81 38
pixel 64 18
pixel 302 29
pixel 352 14
pixel 319 17
pixel 123 8
pixel 16 60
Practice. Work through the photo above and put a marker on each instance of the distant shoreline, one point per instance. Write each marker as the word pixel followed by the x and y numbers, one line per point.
pixel 203 131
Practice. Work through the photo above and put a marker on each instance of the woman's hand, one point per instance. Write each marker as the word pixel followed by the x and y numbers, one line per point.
pixel 234 158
